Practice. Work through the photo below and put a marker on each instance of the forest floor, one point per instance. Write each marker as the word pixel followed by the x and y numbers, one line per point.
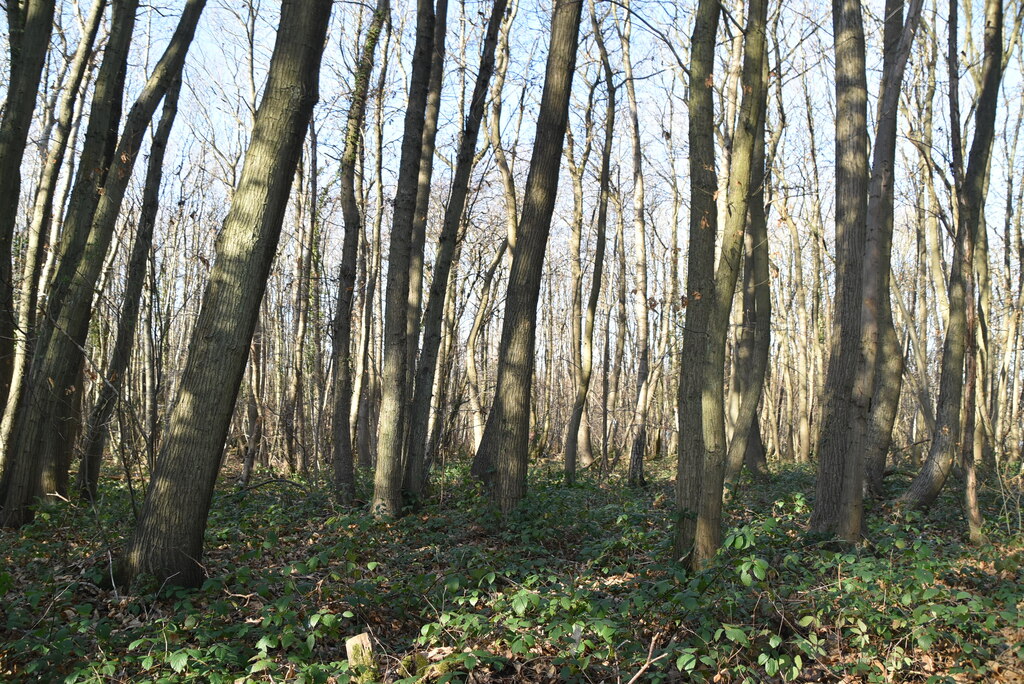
pixel 576 587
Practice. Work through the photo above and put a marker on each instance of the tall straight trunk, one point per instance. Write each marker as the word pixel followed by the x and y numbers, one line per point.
pixel 419 217
pixel 344 466
pixel 387 483
pixel 40 439
pixel 699 274
pixel 881 351
pixel 836 464
pixel 42 215
pixel 168 539
pixel 586 352
pixel 741 179
pixel 366 387
pixel 294 411
pixel 504 449
pixel 753 342
pixel 970 196
pixel 138 261
pixel 29 24
pixel 447 242
pixel 641 307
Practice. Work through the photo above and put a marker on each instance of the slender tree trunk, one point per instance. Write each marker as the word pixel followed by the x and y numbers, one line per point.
pixel 970 196
pixel 709 524
pixel 506 437
pixel 641 305
pixel 168 540
pixel 387 490
pixel 29 24
pixel 344 465
pixel 478 416
pixel 754 339
pixel 40 443
pixel 876 413
pixel 586 353
pixel 42 215
pixel 138 261
pixel 447 244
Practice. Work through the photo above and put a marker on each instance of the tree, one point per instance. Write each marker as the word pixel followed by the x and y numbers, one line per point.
pixel 40 445
pixel 344 467
pixel 29 23
pixel 168 539
pixel 506 436
pixel 970 196
pixel 138 262
pixel 699 273
pixel 387 482
pixel 837 510
pixel 743 176
pixel 447 243
pixel 586 352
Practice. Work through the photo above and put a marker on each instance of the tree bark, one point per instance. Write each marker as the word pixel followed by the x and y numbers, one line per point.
pixel 387 489
pixel 506 437
pixel 167 542
pixel 138 261
pixel 741 178
pixel 926 486
pixel 586 351
pixel 447 242
pixel 40 439
pixel 344 464
pixel 838 468
pixel 699 274
pixel 29 24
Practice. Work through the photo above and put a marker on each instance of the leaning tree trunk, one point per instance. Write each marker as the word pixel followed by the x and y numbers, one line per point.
pixel 344 466
pixel 42 214
pixel 970 195
pixel 29 23
pixel 434 316
pixel 168 540
pixel 505 444
pixel 103 408
pixel 40 440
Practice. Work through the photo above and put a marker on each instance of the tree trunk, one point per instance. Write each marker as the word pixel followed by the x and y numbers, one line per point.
pixel 839 470
pixel 506 437
pixel 586 351
pixel 699 274
pixel 42 214
pixel 447 243
pixel 742 177
pixel 970 196
pixel 29 24
pixel 138 261
pixel 40 443
pixel 753 342
pixel 387 489
pixel 344 465
pixel 168 539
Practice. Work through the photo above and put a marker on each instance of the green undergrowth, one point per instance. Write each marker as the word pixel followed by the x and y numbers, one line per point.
pixel 578 586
